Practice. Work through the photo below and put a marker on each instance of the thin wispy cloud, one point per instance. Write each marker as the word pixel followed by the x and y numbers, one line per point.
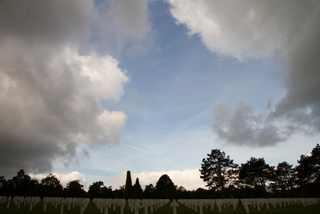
pixel 136 148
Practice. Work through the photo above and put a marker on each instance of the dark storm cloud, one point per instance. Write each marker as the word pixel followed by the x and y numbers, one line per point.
pixel 46 22
pixel 50 96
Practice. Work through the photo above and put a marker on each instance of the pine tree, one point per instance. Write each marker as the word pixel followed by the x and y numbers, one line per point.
pixel 218 170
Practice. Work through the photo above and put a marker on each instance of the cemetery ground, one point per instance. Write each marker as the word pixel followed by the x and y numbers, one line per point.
pixel 93 209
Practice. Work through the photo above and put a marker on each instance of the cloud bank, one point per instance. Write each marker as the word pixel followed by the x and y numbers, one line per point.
pixel 287 31
pixel 53 82
pixel 188 178
pixel 64 178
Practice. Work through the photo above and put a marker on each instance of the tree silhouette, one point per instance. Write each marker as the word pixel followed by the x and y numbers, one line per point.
pixel 95 190
pixel 217 170
pixel 74 189
pixel 256 173
pixel 119 193
pixel 284 178
pixel 51 186
pixel 22 185
pixel 165 187
pixel 149 191
pixel 308 171
pixel 252 179
pixel 3 185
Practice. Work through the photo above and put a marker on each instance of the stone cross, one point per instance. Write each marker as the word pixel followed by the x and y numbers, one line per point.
pixel 245 203
pixel 61 205
pixel 122 205
pixel 151 206
pixel 8 201
pixel 44 205
pixel 200 208
pixel 31 204
pixel 136 206
pixel 174 204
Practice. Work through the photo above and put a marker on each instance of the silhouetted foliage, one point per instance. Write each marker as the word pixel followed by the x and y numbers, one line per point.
pixel 253 179
pixel 308 172
pixel 284 179
pixel 51 187
pixel 182 193
pixel 255 174
pixel 95 190
pixel 218 171
pixel 22 185
pixel 165 188
pixel 3 184
pixel 148 192
pixel 119 193
pixel 106 192
pixel 74 190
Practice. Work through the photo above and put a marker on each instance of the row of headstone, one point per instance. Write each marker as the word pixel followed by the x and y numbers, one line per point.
pixel 54 201
pixel 31 201
pixel 148 205
pixel 5 199
pixel 18 200
pixel 277 202
pixel 198 204
pixel 105 203
pixel 61 202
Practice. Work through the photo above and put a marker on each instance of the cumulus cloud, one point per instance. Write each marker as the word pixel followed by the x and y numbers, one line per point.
pixel 243 29
pixel 52 82
pixel 64 178
pixel 244 127
pixel 284 30
pixel 188 178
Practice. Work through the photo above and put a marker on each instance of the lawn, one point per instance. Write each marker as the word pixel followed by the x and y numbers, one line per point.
pixel 92 209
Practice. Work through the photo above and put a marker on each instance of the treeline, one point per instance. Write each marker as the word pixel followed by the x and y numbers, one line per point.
pixel 50 186
pixel 257 179
pixel 225 179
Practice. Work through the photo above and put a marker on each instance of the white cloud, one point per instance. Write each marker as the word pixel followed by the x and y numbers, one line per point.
pixel 243 29
pixel 64 178
pixel 106 78
pixel 283 30
pixel 188 178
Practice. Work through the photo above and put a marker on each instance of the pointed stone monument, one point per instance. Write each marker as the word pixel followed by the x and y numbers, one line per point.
pixel 128 187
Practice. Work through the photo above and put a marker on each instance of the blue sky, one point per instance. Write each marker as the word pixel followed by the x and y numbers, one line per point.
pixel 153 86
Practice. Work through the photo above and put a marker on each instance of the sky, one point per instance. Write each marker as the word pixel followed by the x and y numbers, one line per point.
pixel 91 89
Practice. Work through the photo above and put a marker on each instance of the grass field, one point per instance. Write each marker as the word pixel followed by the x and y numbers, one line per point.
pixel 92 209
